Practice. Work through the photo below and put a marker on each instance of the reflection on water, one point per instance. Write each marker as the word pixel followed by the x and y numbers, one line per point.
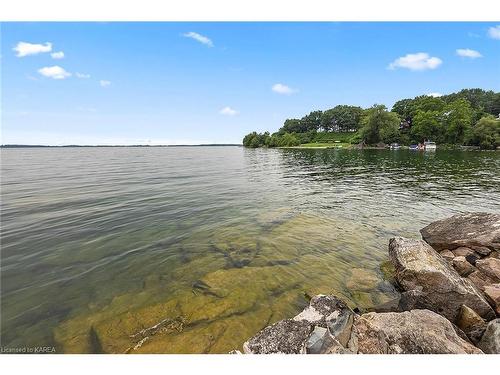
pixel 195 249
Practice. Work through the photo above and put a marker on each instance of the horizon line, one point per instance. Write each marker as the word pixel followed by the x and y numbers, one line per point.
pixel 19 145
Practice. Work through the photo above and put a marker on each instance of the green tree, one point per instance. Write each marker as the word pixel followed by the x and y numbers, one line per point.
pixel 427 103
pixel 458 120
pixel 486 133
pixel 291 126
pixel 342 118
pixel 404 108
pixel 255 140
pixel 247 140
pixel 310 122
pixel 379 125
pixel 288 140
pixel 426 125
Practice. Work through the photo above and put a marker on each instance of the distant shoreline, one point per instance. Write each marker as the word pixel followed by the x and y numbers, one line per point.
pixel 68 146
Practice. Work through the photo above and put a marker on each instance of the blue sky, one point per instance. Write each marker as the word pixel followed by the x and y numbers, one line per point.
pixel 191 83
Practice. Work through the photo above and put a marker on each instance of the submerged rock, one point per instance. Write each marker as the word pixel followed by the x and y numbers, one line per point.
pixel 362 279
pixel 476 231
pixel 286 337
pixel 438 286
pixel 490 342
pixel 409 332
pixel 388 271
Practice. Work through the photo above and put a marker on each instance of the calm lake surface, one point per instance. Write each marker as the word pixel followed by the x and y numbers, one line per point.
pixel 195 249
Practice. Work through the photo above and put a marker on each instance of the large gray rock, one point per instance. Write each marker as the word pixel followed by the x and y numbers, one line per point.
pixel 490 342
pixel 286 336
pixel 409 332
pixel 329 312
pixel 436 285
pixel 322 327
pixel 476 231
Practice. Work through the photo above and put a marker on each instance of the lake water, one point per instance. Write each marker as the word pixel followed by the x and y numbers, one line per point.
pixel 195 249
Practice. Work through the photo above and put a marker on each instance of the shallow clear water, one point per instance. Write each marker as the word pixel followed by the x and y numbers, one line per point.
pixel 195 249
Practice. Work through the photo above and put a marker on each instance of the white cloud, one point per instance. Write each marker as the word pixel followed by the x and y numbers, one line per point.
pixel 466 52
pixel 228 111
pixel 416 61
pixel 104 83
pixel 25 49
pixel 57 55
pixel 82 75
pixel 200 38
pixel 435 94
pixel 494 32
pixel 55 72
pixel 283 89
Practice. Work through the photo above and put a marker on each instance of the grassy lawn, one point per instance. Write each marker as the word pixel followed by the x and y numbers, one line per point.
pixel 332 137
pixel 325 145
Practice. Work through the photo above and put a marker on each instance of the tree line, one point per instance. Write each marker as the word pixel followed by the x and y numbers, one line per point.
pixel 468 117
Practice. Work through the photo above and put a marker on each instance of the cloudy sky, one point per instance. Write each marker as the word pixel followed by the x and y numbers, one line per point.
pixel 191 83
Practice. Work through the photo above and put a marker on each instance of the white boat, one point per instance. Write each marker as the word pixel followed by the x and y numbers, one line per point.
pixel 395 146
pixel 429 146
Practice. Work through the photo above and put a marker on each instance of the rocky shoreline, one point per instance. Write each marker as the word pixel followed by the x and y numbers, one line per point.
pixel 450 300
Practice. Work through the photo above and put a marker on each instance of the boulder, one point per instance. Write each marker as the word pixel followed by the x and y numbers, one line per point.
pixel 329 312
pixel 492 293
pixel 482 250
pixel 438 286
pixel 286 337
pixel 409 332
pixel 413 299
pixel 471 324
pixel 447 254
pixel 473 230
pixel 463 267
pixel 494 254
pixel 480 280
pixel 463 251
pixel 490 267
pixel 322 342
pixel 490 342
pixel 472 258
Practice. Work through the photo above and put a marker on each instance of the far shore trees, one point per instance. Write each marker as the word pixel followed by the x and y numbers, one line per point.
pixel 486 133
pixel 468 117
pixel 342 118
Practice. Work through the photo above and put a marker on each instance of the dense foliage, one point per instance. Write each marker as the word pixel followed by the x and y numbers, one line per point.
pixel 468 117
pixel 486 133
pixel 254 140
pixel 379 125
